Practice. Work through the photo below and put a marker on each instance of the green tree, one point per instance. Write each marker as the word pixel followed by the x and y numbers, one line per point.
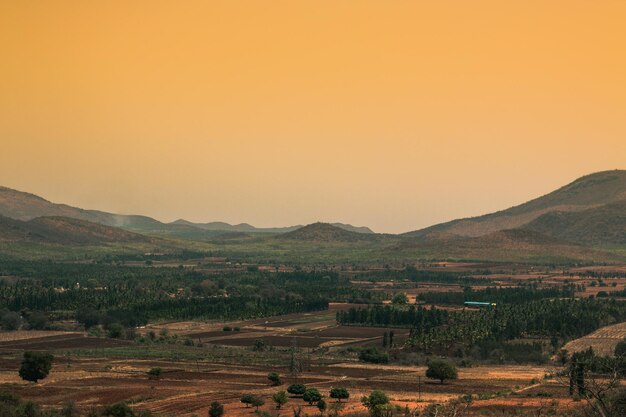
pixel 259 345
pixel 257 402
pixel 115 331
pixel 441 370
pixel 321 405
pixel 296 389
pixel 216 409
pixel 311 395
pixel 339 394
pixel 280 398
pixel 274 378
pixel 376 402
pixel 620 348
pixel 247 399
pixel 400 298
pixel 35 366
pixel 37 320
pixel 11 321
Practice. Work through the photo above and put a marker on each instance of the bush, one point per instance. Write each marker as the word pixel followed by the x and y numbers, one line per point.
pixel 274 378
pixel 118 410
pixel 372 355
pixel 155 372
pixel 115 330
pixel 216 409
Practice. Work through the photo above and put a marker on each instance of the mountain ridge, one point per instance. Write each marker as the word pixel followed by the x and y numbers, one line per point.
pixel 26 206
pixel 589 191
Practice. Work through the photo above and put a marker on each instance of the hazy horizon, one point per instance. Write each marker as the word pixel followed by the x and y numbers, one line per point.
pixel 395 115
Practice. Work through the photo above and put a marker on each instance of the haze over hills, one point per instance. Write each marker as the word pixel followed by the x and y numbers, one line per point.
pixel 26 206
pixel 590 191
pixel 245 227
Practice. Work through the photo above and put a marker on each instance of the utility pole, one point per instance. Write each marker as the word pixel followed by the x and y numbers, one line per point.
pixel 419 388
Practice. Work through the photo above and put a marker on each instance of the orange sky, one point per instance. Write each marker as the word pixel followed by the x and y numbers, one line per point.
pixel 391 114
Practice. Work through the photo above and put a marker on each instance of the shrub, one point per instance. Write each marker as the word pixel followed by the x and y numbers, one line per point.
pixel 274 378
pixel 155 372
pixel 216 409
pixel 372 355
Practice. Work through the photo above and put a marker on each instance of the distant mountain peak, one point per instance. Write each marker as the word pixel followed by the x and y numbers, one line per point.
pixel 326 232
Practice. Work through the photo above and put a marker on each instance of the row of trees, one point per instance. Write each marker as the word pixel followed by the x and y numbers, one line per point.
pixel 497 295
pixel 441 330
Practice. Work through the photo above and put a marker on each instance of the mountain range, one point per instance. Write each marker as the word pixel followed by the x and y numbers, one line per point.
pixel 25 206
pixel 584 220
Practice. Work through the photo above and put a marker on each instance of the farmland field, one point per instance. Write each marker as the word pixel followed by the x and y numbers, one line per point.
pixel 359 336
pixel 603 341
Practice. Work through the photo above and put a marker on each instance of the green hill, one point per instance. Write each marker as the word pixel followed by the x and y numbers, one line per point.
pixel 596 226
pixel 585 193
pixel 514 245
pixel 325 232
pixel 66 231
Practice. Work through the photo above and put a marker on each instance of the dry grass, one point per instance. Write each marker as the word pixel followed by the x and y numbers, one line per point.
pixel 31 334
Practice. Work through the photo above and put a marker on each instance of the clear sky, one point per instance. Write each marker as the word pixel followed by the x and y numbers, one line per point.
pixel 390 114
